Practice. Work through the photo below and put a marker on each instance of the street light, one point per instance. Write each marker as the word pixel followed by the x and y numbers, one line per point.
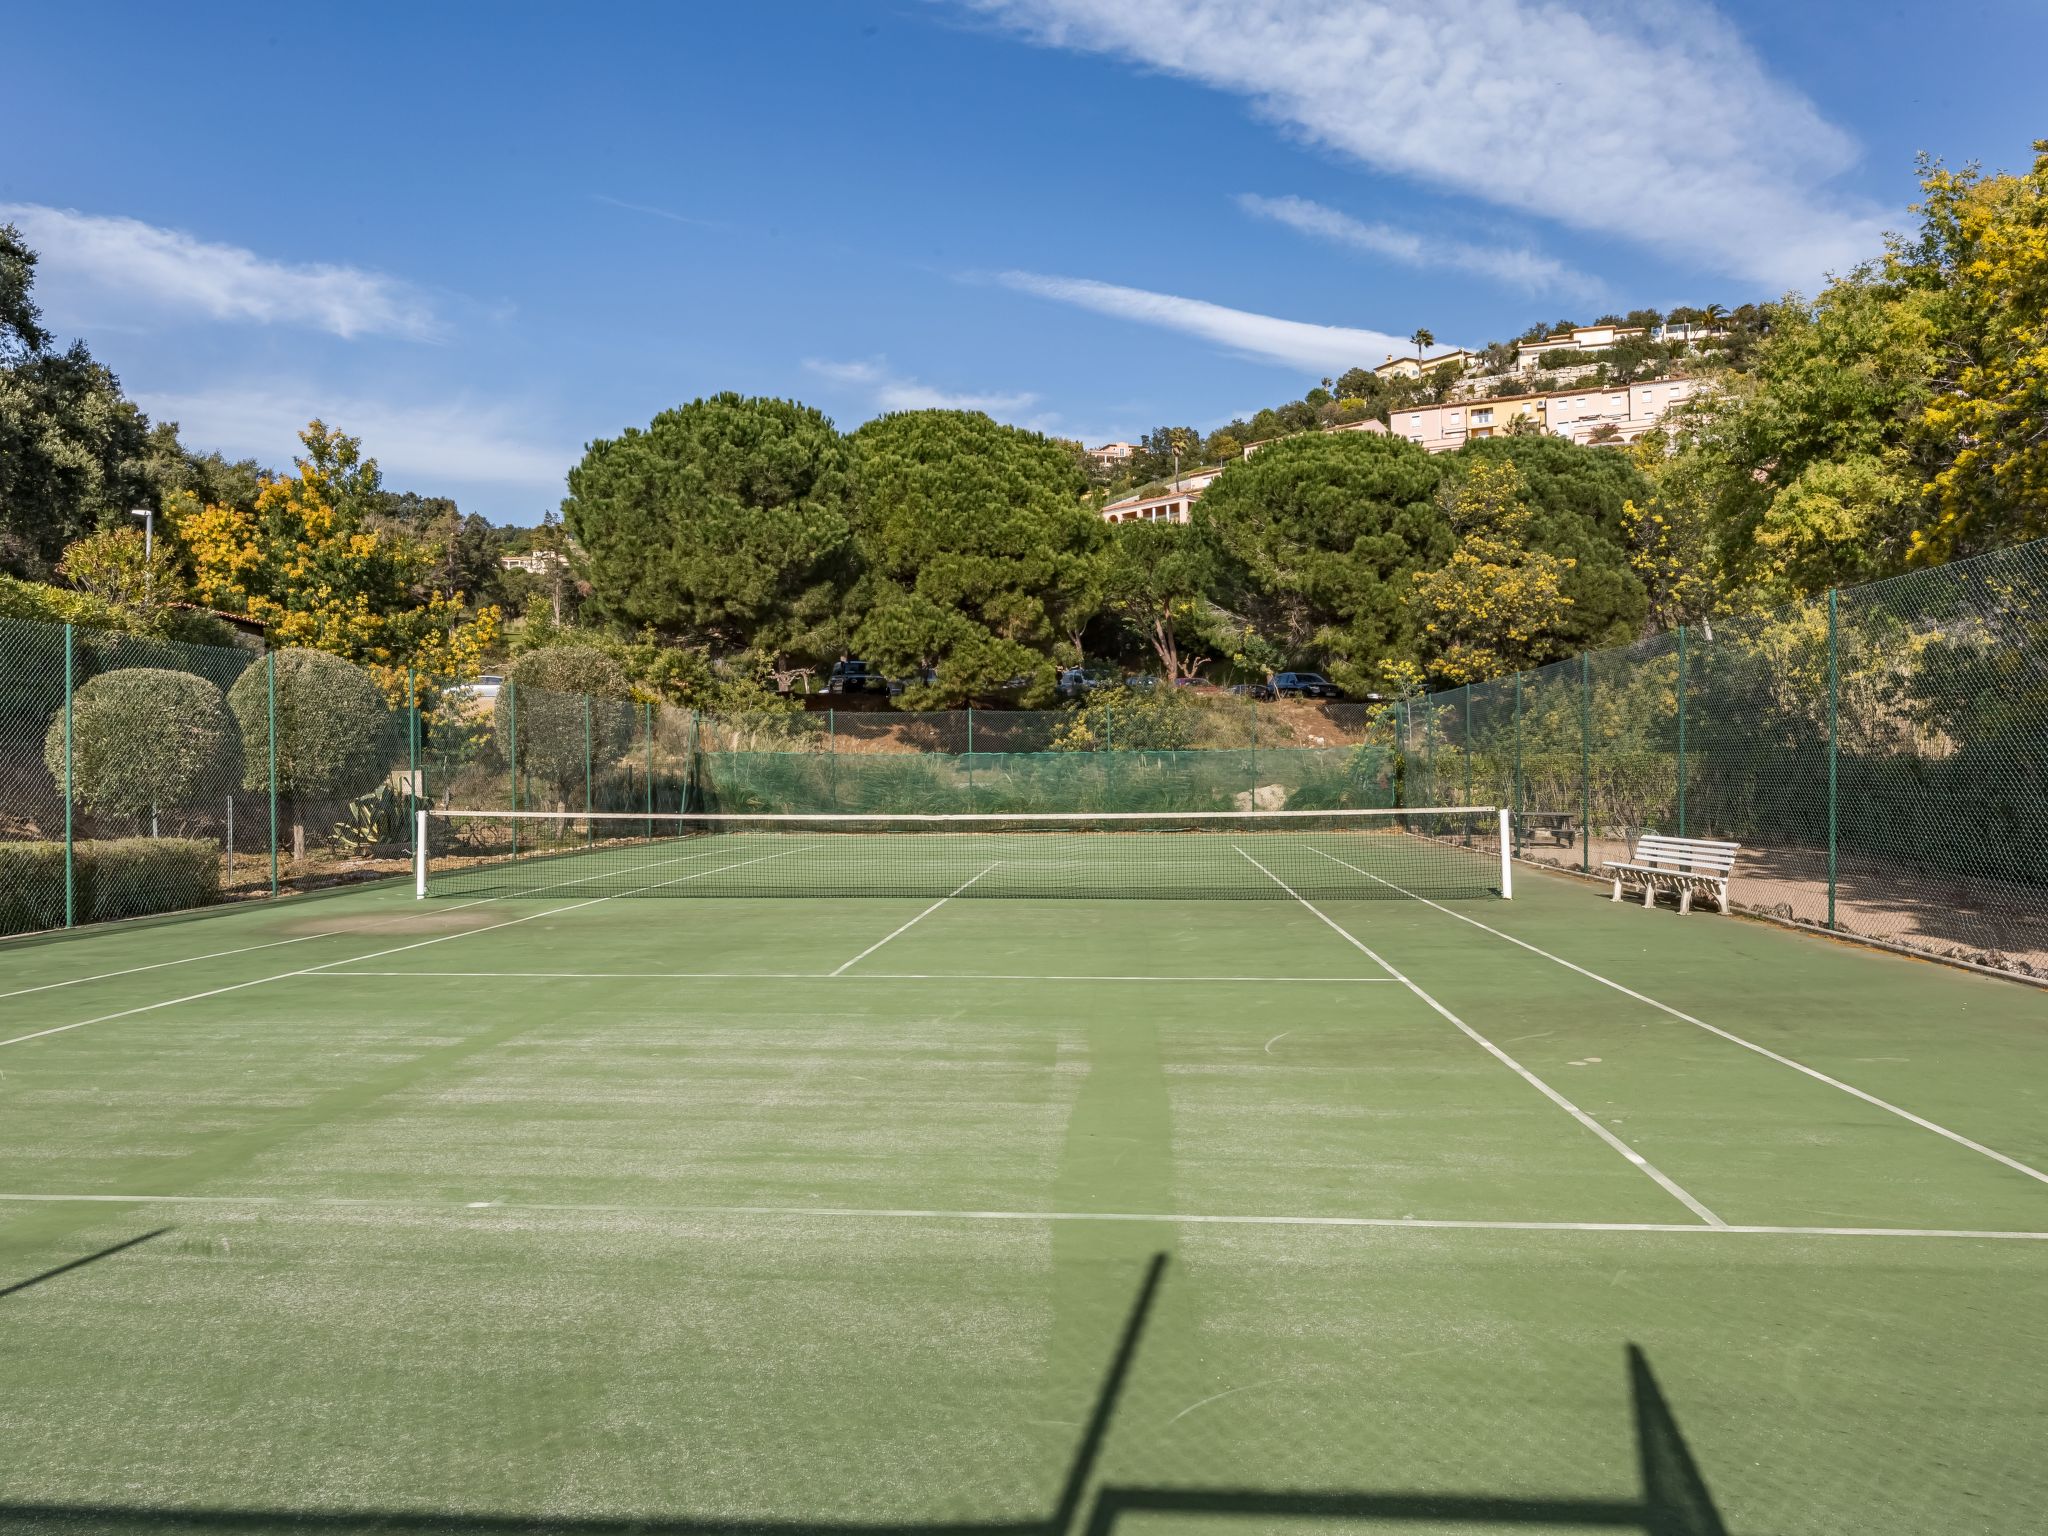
pixel 148 516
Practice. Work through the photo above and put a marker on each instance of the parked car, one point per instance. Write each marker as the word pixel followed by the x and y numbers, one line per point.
pixel 485 686
pixel 1140 680
pixel 1076 681
pixel 1303 685
pixel 1251 690
pixel 849 676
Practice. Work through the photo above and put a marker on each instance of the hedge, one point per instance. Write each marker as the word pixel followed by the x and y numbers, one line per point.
pixel 112 877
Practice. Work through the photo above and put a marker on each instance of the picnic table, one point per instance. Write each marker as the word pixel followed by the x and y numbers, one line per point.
pixel 1558 825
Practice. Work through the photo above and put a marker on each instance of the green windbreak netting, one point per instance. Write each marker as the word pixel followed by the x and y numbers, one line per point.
pixel 1334 778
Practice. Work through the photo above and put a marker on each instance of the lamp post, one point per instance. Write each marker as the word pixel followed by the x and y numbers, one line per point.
pixel 148 516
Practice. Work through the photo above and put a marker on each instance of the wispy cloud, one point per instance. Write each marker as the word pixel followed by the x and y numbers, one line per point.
pixel 1516 266
pixel 890 391
pixel 1653 123
pixel 416 444
pixel 658 213
pixel 170 270
pixel 1295 343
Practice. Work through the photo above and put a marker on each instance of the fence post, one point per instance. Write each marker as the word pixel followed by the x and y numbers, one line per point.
pixel 1401 785
pixel 649 710
pixel 1834 745
pixel 1585 762
pixel 1681 730
pixel 1467 691
pixel 970 757
pixel 832 757
pixel 70 874
pixel 692 788
pixel 412 750
pixel 1518 765
pixel 270 689
pixel 589 832
pixel 512 739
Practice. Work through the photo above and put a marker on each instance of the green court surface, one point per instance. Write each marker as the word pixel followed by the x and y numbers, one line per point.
pixel 585 1212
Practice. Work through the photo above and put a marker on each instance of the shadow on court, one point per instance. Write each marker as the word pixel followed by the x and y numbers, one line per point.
pixel 90 1258
pixel 1673 1498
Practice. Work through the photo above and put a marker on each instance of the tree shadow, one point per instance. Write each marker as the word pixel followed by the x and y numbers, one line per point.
pixel 1673 1500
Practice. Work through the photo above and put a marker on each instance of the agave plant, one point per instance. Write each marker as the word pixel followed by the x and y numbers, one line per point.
pixel 373 825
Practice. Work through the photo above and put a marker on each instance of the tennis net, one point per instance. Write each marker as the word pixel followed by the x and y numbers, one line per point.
pixel 1446 853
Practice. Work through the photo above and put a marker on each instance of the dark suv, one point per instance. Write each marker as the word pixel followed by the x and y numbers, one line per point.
pixel 1303 685
pixel 855 677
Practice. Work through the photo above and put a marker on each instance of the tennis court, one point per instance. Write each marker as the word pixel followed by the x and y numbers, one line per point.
pixel 1149 1183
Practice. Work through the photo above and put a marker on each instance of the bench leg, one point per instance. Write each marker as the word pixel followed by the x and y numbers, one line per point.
pixel 1685 901
pixel 1617 888
pixel 1721 896
pixel 1649 893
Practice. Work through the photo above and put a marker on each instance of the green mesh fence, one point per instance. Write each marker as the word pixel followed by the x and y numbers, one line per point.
pixel 1880 753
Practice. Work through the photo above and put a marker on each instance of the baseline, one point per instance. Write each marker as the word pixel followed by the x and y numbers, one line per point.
pixel 1669 1185
pixel 1714 1029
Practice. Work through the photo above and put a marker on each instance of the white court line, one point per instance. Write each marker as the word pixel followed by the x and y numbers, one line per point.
pixel 311 970
pixel 1338 981
pixel 1714 1029
pixel 221 954
pixel 912 1213
pixel 1667 1184
pixel 927 912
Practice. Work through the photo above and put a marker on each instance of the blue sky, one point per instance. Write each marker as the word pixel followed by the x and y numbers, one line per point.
pixel 480 236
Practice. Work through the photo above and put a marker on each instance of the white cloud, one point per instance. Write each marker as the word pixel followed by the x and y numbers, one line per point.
pixel 1295 343
pixel 1517 266
pixel 416 446
pixel 168 269
pixel 1652 122
pixel 894 392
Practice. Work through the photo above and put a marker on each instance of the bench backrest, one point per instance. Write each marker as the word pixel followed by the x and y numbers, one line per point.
pixel 1695 855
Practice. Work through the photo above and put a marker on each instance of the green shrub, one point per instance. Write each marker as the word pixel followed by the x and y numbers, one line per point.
pixel 335 734
pixel 112 877
pixel 31 886
pixel 572 712
pixel 132 876
pixel 143 737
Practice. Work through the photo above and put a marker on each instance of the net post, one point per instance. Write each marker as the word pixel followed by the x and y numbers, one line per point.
pixel 1834 743
pixel 1585 762
pixel 419 855
pixel 1681 730
pixel 270 689
pixel 1507 855
pixel 70 870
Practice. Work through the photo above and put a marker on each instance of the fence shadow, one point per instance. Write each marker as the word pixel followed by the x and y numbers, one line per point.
pixel 1673 1499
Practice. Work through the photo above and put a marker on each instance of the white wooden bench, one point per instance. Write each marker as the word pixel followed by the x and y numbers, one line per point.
pixel 1689 866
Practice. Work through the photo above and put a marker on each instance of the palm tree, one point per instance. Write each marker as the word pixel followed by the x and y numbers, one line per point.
pixel 1424 339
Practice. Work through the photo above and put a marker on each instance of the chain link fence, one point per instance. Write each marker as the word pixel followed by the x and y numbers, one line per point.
pixel 1881 753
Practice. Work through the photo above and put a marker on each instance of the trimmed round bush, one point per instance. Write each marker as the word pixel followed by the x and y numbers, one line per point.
pixel 335 736
pixel 572 708
pixel 143 737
